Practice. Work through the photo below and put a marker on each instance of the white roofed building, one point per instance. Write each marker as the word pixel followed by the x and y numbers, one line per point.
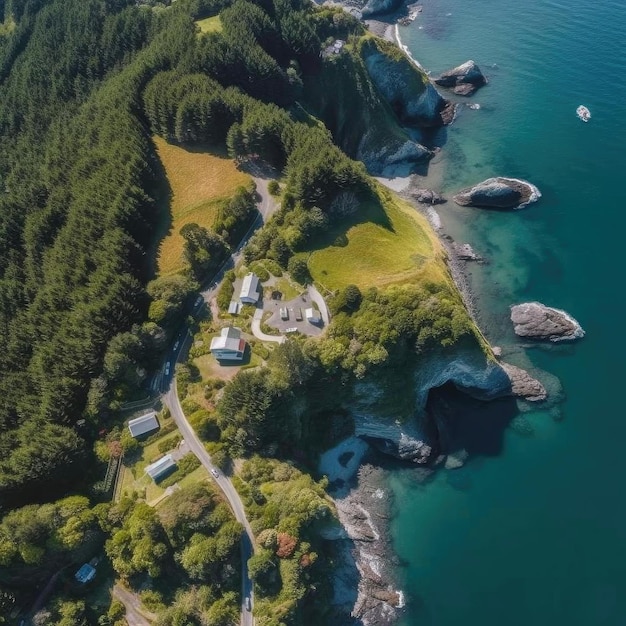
pixel 144 424
pixel 160 467
pixel 312 316
pixel 250 291
pixel 228 345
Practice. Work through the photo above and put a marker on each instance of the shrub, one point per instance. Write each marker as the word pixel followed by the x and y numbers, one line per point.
pixel 260 271
pixel 299 270
pixel 169 444
pixel 227 289
pixel 273 267
pixel 273 187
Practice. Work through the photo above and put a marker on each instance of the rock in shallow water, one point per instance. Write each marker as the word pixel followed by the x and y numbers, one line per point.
pixel 499 193
pixel 523 385
pixel 538 321
pixel 464 79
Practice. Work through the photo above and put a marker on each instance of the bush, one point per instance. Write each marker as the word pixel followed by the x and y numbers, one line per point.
pixel 169 444
pixel 227 290
pixel 260 271
pixel 273 187
pixel 273 267
pixel 299 270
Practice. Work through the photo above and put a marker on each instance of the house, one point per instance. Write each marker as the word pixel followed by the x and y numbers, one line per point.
pixel 250 291
pixel 164 465
pixel 144 424
pixel 228 346
pixel 86 573
pixel 312 316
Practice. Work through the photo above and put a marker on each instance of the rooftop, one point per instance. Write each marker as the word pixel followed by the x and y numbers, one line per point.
pixel 161 466
pixel 229 339
pixel 143 424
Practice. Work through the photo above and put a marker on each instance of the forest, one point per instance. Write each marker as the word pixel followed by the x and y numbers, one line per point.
pixel 84 318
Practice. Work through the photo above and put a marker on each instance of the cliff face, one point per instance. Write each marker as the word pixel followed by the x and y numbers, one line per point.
pixel 406 88
pixel 390 93
pixel 408 432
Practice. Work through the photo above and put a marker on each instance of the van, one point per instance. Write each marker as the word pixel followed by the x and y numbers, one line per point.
pixel 284 314
pixel 298 315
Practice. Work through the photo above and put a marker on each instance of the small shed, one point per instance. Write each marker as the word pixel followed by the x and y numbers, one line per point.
pixel 234 307
pixel 144 424
pixel 164 465
pixel 228 345
pixel 250 291
pixel 312 316
pixel 86 573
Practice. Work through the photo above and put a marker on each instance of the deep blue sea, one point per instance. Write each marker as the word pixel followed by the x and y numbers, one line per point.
pixel 535 535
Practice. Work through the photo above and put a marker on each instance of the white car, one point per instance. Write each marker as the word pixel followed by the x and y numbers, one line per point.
pixel 167 369
pixel 177 344
pixel 248 604
pixel 215 472
pixel 199 300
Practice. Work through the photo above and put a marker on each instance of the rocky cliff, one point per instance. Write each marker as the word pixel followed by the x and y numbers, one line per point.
pixel 410 432
pixel 394 98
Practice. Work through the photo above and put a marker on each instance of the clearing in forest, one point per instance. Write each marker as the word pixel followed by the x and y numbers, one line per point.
pixel 210 24
pixel 200 183
pixel 387 242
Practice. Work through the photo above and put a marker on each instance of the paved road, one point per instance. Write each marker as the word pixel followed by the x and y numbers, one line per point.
pixel 197 447
pixel 136 615
pixel 266 206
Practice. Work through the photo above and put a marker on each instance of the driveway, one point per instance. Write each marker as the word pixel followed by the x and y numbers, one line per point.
pixel 259 334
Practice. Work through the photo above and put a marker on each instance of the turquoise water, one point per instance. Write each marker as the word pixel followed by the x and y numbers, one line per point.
pixel 537 534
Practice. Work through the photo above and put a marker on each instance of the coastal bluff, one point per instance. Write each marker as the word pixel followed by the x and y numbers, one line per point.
pixel 538 321
pixel 499 193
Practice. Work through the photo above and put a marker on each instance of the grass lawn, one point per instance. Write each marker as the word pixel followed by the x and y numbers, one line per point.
pixel 210 24
pixel 385 243
pixel 200 182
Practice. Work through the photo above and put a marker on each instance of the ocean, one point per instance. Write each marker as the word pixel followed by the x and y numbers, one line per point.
pixel 534 533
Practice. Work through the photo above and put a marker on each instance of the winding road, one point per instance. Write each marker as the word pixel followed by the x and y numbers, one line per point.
pixel 266 206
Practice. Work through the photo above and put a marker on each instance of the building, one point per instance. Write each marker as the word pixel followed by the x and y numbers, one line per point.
pixel 86 573
pixel 312 316
pixel 234 307
pixel 144 424
pixel 228 346
pixel 250 291
pixel 161 467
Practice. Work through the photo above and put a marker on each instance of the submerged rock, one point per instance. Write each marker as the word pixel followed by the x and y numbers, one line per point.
pixel 465 252
pixel 499 193
pixel 538 321
pixel 523 385
pixel 464 80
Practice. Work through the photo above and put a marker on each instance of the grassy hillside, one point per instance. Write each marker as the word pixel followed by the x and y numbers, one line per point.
pixel 386 243
pixel 200 183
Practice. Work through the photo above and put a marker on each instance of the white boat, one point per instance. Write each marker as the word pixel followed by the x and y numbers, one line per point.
pixel 583 113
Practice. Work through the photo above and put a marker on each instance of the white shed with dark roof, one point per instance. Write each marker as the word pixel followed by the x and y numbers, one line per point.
pixel 144 424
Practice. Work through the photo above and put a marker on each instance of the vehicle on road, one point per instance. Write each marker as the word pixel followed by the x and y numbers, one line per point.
pixel 199 301
pixel 215 473
pixel 167 369
pixel 298 314
pixel 284 314
pixel 248 604
pixel 177 344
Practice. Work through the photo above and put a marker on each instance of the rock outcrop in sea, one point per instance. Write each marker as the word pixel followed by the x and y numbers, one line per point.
pixel 426 196
pixel 538 321
pixel 464 80
pixel 499 193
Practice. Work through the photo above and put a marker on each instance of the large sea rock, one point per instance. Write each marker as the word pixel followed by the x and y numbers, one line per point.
pixel 464 80
pixel 499 193
pixel 538 321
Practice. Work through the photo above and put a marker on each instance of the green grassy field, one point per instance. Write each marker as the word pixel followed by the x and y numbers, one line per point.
pixel 210 24
pixel 385 243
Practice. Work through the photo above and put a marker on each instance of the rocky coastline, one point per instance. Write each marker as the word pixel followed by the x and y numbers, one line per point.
pixel 366 592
